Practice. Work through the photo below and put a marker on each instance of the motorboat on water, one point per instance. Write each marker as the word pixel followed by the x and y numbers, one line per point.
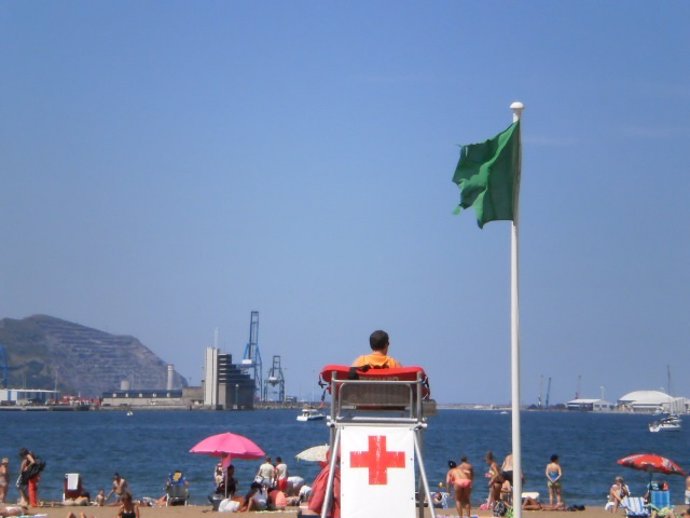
pixel 670 423
pixel 310 414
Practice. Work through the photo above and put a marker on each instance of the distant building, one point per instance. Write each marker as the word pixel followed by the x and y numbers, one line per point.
pixel 652 402
pixel 590 405
pixel 226 387
pixel 149 398
pixel 23 396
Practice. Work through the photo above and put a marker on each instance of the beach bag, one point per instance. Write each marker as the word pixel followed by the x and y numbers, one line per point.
pixel 500 508
pixel 33 471
pixel 228 506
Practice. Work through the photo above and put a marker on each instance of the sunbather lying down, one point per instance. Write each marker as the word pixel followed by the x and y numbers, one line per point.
pixel 13 510
pixel 664 512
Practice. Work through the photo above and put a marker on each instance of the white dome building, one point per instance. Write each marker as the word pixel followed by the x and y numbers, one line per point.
pixel 648 401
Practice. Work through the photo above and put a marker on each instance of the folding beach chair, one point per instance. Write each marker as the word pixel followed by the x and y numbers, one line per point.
pixel 176 489
pixel 635 507
pixel 72 487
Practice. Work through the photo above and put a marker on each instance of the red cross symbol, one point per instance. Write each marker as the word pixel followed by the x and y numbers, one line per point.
pixel 377 459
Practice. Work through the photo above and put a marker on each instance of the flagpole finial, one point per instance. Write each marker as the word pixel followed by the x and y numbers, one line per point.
pixel 517 108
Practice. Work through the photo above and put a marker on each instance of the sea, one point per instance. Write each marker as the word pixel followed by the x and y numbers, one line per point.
pixel 147 445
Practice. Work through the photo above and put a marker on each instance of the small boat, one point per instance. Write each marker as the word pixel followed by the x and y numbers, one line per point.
pixel 670 423
pixel 130 413
pixel 310 414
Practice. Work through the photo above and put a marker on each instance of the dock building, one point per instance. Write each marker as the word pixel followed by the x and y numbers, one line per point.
pixel 225 385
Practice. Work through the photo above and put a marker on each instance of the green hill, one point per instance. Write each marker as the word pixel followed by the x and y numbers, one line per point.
pixel 40 349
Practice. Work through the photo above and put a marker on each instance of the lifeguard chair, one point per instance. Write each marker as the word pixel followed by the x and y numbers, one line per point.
pixel 376 422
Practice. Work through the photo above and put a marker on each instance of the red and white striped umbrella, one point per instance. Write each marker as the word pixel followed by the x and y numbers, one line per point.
pixel 651 462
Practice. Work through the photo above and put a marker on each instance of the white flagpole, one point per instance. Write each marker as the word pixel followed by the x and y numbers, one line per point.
pixel 517 108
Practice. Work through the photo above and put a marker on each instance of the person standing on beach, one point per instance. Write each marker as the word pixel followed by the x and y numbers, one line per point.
pixel 507 468
pixel 4 478
pixel 461 477
pixel 378 359
pixel 687 490
pixel 450 478
pixel 554 474
pixel 281 475
pixel 29 475
pixel 495 479
pixel 266 474
pixel 120 488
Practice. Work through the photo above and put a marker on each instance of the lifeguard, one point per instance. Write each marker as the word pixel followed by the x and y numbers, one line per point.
pixel 378 359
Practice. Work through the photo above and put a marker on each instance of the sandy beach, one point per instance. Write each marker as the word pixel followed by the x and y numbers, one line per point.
pixel 194 511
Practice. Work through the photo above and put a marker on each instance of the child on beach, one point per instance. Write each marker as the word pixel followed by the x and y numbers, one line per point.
pixel 100 498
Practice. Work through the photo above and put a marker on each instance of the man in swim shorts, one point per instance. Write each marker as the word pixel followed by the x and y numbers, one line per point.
pixel 378 359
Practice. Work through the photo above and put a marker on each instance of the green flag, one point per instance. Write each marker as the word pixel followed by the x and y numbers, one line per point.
pixel 488 175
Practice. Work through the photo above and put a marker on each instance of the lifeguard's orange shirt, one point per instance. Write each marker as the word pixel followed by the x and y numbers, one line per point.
pixel 377 360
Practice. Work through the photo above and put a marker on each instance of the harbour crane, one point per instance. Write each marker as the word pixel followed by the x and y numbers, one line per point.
pixel 540 399
pixel 548 393
pixel 275 382
pixel 251 362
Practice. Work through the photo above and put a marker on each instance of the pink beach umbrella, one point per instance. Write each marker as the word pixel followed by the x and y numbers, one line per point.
pixel 228 446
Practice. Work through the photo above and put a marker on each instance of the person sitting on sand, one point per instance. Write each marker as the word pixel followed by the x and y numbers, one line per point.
pixel 507 492
pixel 618 491
pixel 100 498
pixel 666 512
pixel 378 359
pixel 531 504
pixel 128 509
pixel 256 499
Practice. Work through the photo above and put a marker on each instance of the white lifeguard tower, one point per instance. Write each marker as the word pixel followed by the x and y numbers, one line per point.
pixel 376 421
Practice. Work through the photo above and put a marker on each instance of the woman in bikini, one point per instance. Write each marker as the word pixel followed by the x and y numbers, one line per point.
pixel 464 475
pixel 450 479
pixel 554 473
pixel 455 479
pixel 495 479
pixel 128 509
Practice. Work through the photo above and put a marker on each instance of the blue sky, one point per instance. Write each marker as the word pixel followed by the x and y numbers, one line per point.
pixel 168 167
